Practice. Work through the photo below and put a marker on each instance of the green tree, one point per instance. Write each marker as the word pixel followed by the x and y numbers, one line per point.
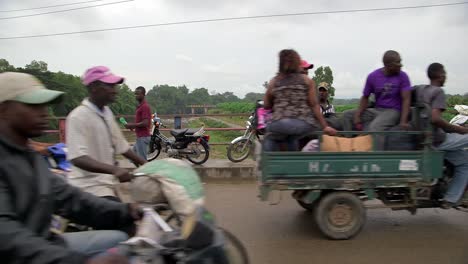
pixel 5 66
pixel 199 96
pixel 37 65
pixel 253 97
pixel 166 99
pixel 71 85
pixel 325 74
pixel 125 103
pixel 456 99
pixel 224 97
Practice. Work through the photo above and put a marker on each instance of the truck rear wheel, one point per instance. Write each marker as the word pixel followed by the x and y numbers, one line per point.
pixel 340 215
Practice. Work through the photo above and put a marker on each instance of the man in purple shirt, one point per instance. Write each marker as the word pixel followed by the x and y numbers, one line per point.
pixel 392 90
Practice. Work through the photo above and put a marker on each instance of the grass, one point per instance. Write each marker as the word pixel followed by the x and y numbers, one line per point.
pixel 236 120
pixel 218 151
pixel 342 108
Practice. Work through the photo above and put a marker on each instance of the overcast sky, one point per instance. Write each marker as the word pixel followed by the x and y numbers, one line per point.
pixel 239 56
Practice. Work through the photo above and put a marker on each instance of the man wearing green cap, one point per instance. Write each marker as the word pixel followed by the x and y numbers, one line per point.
pixel 30 193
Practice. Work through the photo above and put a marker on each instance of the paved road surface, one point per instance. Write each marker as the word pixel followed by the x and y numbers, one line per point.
pixel 285 233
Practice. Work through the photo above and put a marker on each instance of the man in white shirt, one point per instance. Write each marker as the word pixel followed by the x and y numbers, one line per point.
pixel 94 137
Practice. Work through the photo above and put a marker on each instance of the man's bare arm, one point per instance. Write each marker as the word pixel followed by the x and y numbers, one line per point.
pixel 134 157
pixel 144 123
pixel 405 109
pixel 89 164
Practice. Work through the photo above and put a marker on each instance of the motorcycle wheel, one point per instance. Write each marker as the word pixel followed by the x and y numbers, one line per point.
pixel 200 147
pixel 240 150
pixel 154 149
pixel 235 250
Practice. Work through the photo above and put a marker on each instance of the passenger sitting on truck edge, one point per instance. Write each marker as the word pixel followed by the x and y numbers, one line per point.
pixel 292 98
pixel 451 139
pixel 392 90
pixel 326 108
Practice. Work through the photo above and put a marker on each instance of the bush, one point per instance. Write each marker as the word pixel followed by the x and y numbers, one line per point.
pixel 342 108
pixel 237 107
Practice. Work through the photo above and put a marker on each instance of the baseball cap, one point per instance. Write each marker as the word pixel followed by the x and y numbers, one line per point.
pixel 306 65
pixel 324 85
pixel 25 88
pixel 100 73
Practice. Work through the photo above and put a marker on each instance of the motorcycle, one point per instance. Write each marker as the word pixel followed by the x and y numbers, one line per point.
pixel 241 147
pixel 188 143
pixel 197 240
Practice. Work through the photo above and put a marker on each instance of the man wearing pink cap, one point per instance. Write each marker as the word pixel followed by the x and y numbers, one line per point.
pixel 94 137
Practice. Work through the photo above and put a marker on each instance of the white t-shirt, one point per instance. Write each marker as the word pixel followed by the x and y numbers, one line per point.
pixel 94 133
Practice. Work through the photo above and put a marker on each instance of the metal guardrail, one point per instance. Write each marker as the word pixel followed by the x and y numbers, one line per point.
pixel 166 116
pixel 61 121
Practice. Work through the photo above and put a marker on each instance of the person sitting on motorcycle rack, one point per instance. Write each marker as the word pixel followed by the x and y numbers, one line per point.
pixel 30 193
pixel 94 137
pixel 451 139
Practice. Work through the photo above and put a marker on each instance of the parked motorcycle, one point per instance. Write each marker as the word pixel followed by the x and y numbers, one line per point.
pixel 241 147
pixel 188 143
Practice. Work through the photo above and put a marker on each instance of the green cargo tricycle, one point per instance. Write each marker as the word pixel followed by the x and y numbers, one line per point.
pixel 334 185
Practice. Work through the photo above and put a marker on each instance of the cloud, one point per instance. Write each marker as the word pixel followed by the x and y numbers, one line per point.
pixel 239 56
pixel 183 57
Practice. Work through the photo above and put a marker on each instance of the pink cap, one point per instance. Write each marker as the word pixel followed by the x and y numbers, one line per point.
pixel 306 65
pixel 100 73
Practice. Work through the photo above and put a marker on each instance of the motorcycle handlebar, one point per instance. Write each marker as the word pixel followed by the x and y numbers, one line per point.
pixel 160 124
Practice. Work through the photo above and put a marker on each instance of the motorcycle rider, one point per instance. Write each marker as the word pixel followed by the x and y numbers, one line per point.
pixel 451 139
pixel 30 193
pixel 94 137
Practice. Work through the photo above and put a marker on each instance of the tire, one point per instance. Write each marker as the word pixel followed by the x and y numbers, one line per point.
pixel 340 215
pixel 233 147
pixel 205 152
pixel 309 207
pixel 154 149
pixel 235 250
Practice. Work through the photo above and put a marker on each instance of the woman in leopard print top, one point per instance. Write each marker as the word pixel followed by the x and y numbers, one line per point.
pixel 292 98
